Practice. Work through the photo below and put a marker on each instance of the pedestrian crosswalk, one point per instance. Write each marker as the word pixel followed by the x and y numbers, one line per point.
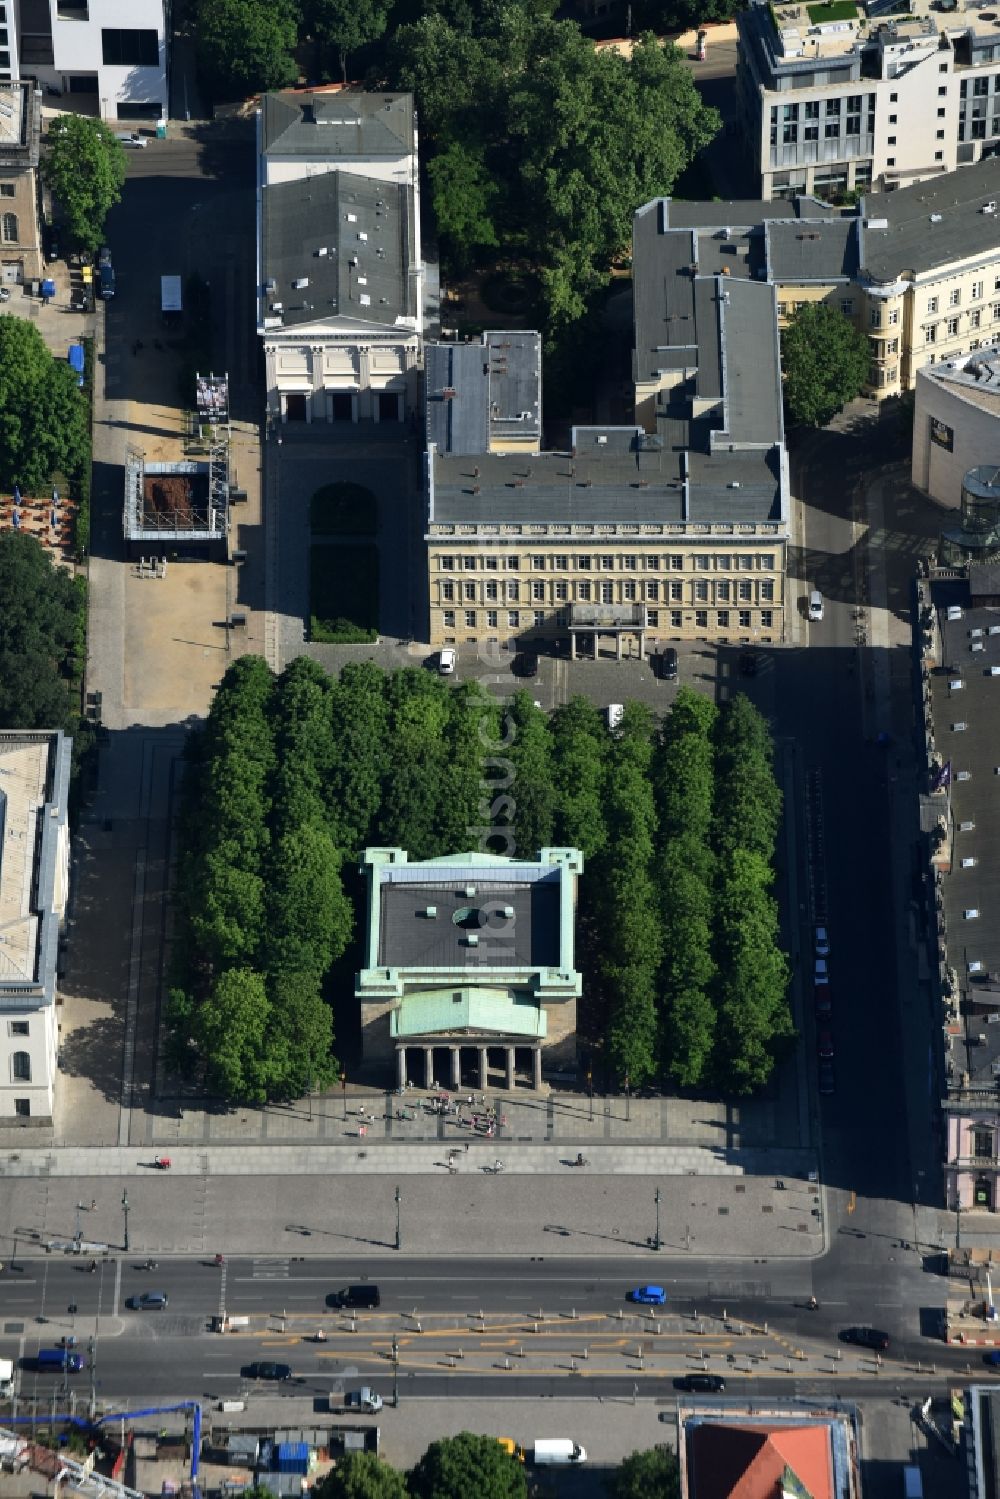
pixel 270 1269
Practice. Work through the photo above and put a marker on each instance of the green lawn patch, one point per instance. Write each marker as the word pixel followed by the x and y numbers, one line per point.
pixel 343 594
pixel 836 10
pixel 343 510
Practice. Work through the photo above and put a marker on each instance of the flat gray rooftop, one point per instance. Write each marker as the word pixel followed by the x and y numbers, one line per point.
pixel 408 938
pixel 932 223
pixel 484 392
pixel 976 801
pixel 350 241
pixel 803 252
pixel 337 123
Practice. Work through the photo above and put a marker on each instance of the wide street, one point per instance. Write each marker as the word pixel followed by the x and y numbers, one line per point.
pixel 553 1326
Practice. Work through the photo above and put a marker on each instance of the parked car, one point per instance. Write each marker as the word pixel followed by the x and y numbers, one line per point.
pixel 827 1081
pixel 614 713
pixel 447 661
pixel 525 664
pixel 822 972
pixel 647 1295
pixel 866 1337
pixel 992 1358
pixel 711 1384
pixel 104 255
pixel 822 942
pixel 106 283
pixel 824 1004
pixel 824 1044
pixel 149 1301
pixel 131 139
pixel 668 664
pixel 815 610
pixel 266 1370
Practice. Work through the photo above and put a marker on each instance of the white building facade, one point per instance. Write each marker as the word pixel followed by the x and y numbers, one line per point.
pixel 34 885
pixel 866 100
pixel 340 276
pixel 956 424
pixel 110 57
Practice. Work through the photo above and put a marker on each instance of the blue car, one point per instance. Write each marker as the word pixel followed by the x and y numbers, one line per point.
pixel 993 1358
pixel 648 1295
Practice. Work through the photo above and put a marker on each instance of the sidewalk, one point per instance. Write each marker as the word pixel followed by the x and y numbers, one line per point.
pixel 295 1206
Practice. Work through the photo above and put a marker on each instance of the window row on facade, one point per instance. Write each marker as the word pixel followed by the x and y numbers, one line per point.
pixel 619 591
pixel 521 619
pixel 584 562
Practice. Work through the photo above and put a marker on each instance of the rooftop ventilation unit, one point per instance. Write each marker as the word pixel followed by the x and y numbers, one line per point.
pixel 472 938
pixel 470 891
pixel 989 207
pixel 431 912
pixel 936 218
pixel 508 913
pixel 300 283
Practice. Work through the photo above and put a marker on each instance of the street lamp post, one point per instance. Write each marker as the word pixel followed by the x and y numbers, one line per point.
pixel 590 1086
pixel 397 1217
pixel 125 1212
pixel 395 1371
pixel 78 1236
pixel 958 1223
pixel 343 1089
pixel 656 1239
pixel 628 1100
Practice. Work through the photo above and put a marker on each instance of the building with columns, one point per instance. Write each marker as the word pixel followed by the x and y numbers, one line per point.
pixel 339 271
pixel 469 977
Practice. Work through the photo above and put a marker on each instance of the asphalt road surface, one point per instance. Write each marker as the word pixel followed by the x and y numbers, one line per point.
pixel 546 1326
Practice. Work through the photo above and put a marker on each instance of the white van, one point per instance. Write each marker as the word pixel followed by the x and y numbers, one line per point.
pixel 614 714
pixel 558 1451
pixel 815 606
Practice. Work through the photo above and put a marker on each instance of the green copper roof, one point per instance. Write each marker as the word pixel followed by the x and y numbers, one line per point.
pixel 440 1011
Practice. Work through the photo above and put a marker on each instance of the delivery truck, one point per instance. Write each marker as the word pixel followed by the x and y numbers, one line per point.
pixel 171 304
pixel 546 1451
pixel 6 1378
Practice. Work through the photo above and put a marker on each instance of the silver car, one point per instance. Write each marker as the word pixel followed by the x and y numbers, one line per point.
pixel 134 141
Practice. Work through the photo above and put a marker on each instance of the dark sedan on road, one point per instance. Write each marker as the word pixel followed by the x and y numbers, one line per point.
pixel 149 1301
pixel 710 1384
pixel 525 664
pixel 266 1371
pixel 866 1337
pixel 648 1295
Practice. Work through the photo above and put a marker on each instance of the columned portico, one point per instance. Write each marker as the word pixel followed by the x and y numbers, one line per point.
pixel 616 620
pixel 477 1073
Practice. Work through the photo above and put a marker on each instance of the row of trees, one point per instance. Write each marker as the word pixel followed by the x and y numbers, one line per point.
pixel 465 1465
pixel 290 780
pixel 42 635
pixel 532 140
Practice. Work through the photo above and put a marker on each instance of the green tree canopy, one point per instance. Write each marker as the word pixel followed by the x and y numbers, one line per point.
pixel 84 165
pixel 825 362
pixel 560 143
pixel 346 25
pixel 40 611
pixel 653 1474
pixel 246 46
pixel 43 415
pixel 231 1030
pixel 361 1475
pixel 460 1466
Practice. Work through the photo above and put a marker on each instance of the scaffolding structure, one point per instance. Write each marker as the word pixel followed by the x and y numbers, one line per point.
pixel 212 396
pixel 183 505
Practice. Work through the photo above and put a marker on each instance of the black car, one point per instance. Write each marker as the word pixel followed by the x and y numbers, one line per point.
pixel 525 664
pixel 363 1296
pixel 710 1384
pixel 668 664
pixel 827 1079
pixel 266 1371
pixel 866 1337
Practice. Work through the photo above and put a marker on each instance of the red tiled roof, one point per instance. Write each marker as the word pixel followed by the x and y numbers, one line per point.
pixel 736 1460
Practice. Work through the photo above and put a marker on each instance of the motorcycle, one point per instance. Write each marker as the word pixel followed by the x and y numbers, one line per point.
pixel 162 1162
pixel 219 1259
pixel 148 1265
pixel 581 1160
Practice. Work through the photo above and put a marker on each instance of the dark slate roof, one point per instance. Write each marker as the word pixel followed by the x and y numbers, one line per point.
pixel 350 238
pixel 485 392
pixel 411 939
pixel 338 123
pixel 931 223
pixel 631 478
pixel 744 213
pixel 801 252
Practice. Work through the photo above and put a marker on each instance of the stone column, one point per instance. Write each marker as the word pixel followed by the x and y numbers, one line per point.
pixel 510 1069
pixel 428 1066
pixel 483 1069
pixel 401 1066
pixel 456 1067
pixel 642 645
pixel 537 1059
pixel 572 645
pixel 618 645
